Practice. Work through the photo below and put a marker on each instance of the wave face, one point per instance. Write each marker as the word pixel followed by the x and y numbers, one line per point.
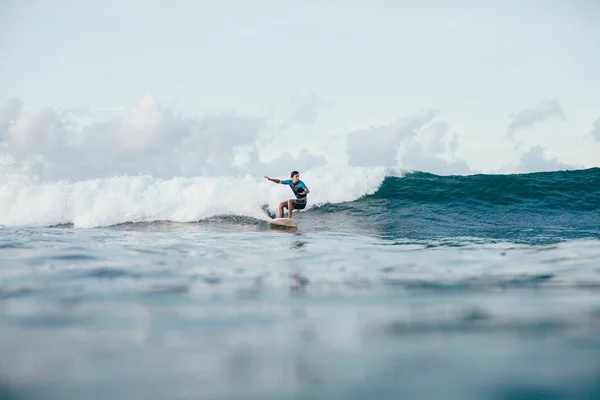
pixel 535 207
pixel 538 207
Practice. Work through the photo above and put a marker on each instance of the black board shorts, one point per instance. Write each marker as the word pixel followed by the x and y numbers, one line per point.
pixel 300 204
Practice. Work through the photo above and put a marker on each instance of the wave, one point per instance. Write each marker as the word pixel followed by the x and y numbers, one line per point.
pixel 536 207
pixel 111 201
pixel 548 191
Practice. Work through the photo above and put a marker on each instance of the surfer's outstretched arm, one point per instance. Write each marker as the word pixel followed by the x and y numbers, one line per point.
pixel 273 179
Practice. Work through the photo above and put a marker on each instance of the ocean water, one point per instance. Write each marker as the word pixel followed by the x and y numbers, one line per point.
pixel 395 285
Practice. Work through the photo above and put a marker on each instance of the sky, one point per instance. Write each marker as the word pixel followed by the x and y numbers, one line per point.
pixel 90 88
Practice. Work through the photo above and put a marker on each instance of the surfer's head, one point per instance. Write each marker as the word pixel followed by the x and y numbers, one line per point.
pixel 295 175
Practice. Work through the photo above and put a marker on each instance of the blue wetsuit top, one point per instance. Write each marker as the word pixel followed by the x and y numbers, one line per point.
pixel 297 188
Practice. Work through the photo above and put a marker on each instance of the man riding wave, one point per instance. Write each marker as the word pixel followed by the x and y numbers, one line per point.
pixel 299 189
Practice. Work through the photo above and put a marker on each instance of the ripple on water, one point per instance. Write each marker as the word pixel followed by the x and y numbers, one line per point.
pixel 210 279
pixel 108 273
pixel 471 284
pixel 475 323
pixel 11 293
pixel 167 289
pixel 73 257
pixel 148 251
pixel 48 320
pixel 14 245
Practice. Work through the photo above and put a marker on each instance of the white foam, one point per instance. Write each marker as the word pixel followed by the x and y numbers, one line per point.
pixel 104 202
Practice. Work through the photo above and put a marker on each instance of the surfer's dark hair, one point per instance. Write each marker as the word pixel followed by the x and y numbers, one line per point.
pixel 293 173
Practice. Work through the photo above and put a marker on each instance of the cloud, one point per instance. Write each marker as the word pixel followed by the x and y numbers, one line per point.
pixel 433 136
pixel 596 131
pixel 530 117
pixel 10 109
pixel 453 145
pixel 284 164
pixel 415 158
pixel 43 131
pixel 306 108
pixel 304 162
pixel 535 160
pixel 211 146
pixel 422 145
pixel 426 151
pixel 379 145
pixel 48 144
pixel 149 139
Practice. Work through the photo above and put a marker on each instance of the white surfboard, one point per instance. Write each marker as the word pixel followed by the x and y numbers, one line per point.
pixel 283 222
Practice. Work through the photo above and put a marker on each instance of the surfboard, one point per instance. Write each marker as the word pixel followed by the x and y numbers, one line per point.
pixel 283 223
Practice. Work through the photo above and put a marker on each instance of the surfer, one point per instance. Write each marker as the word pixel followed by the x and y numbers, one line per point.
pixel 299 189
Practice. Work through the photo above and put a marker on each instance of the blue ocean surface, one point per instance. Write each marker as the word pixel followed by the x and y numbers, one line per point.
pixel 429 287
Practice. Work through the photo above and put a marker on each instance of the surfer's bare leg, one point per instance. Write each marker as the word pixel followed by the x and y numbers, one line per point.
pixel 290 207
pixel 281 207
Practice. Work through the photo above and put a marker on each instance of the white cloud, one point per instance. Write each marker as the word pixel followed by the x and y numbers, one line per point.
pixel 453 145
pixel 306 108
pixel 535 159
pixel 379 145
pixel 434 135
pixel 432 150
pixel 417 159
pixel 419 143
pixel 596 131
pixel 149 139
pixel 529 117
pixel 303 162
pixel 39 141
pixel 48 144
pixel 10 109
